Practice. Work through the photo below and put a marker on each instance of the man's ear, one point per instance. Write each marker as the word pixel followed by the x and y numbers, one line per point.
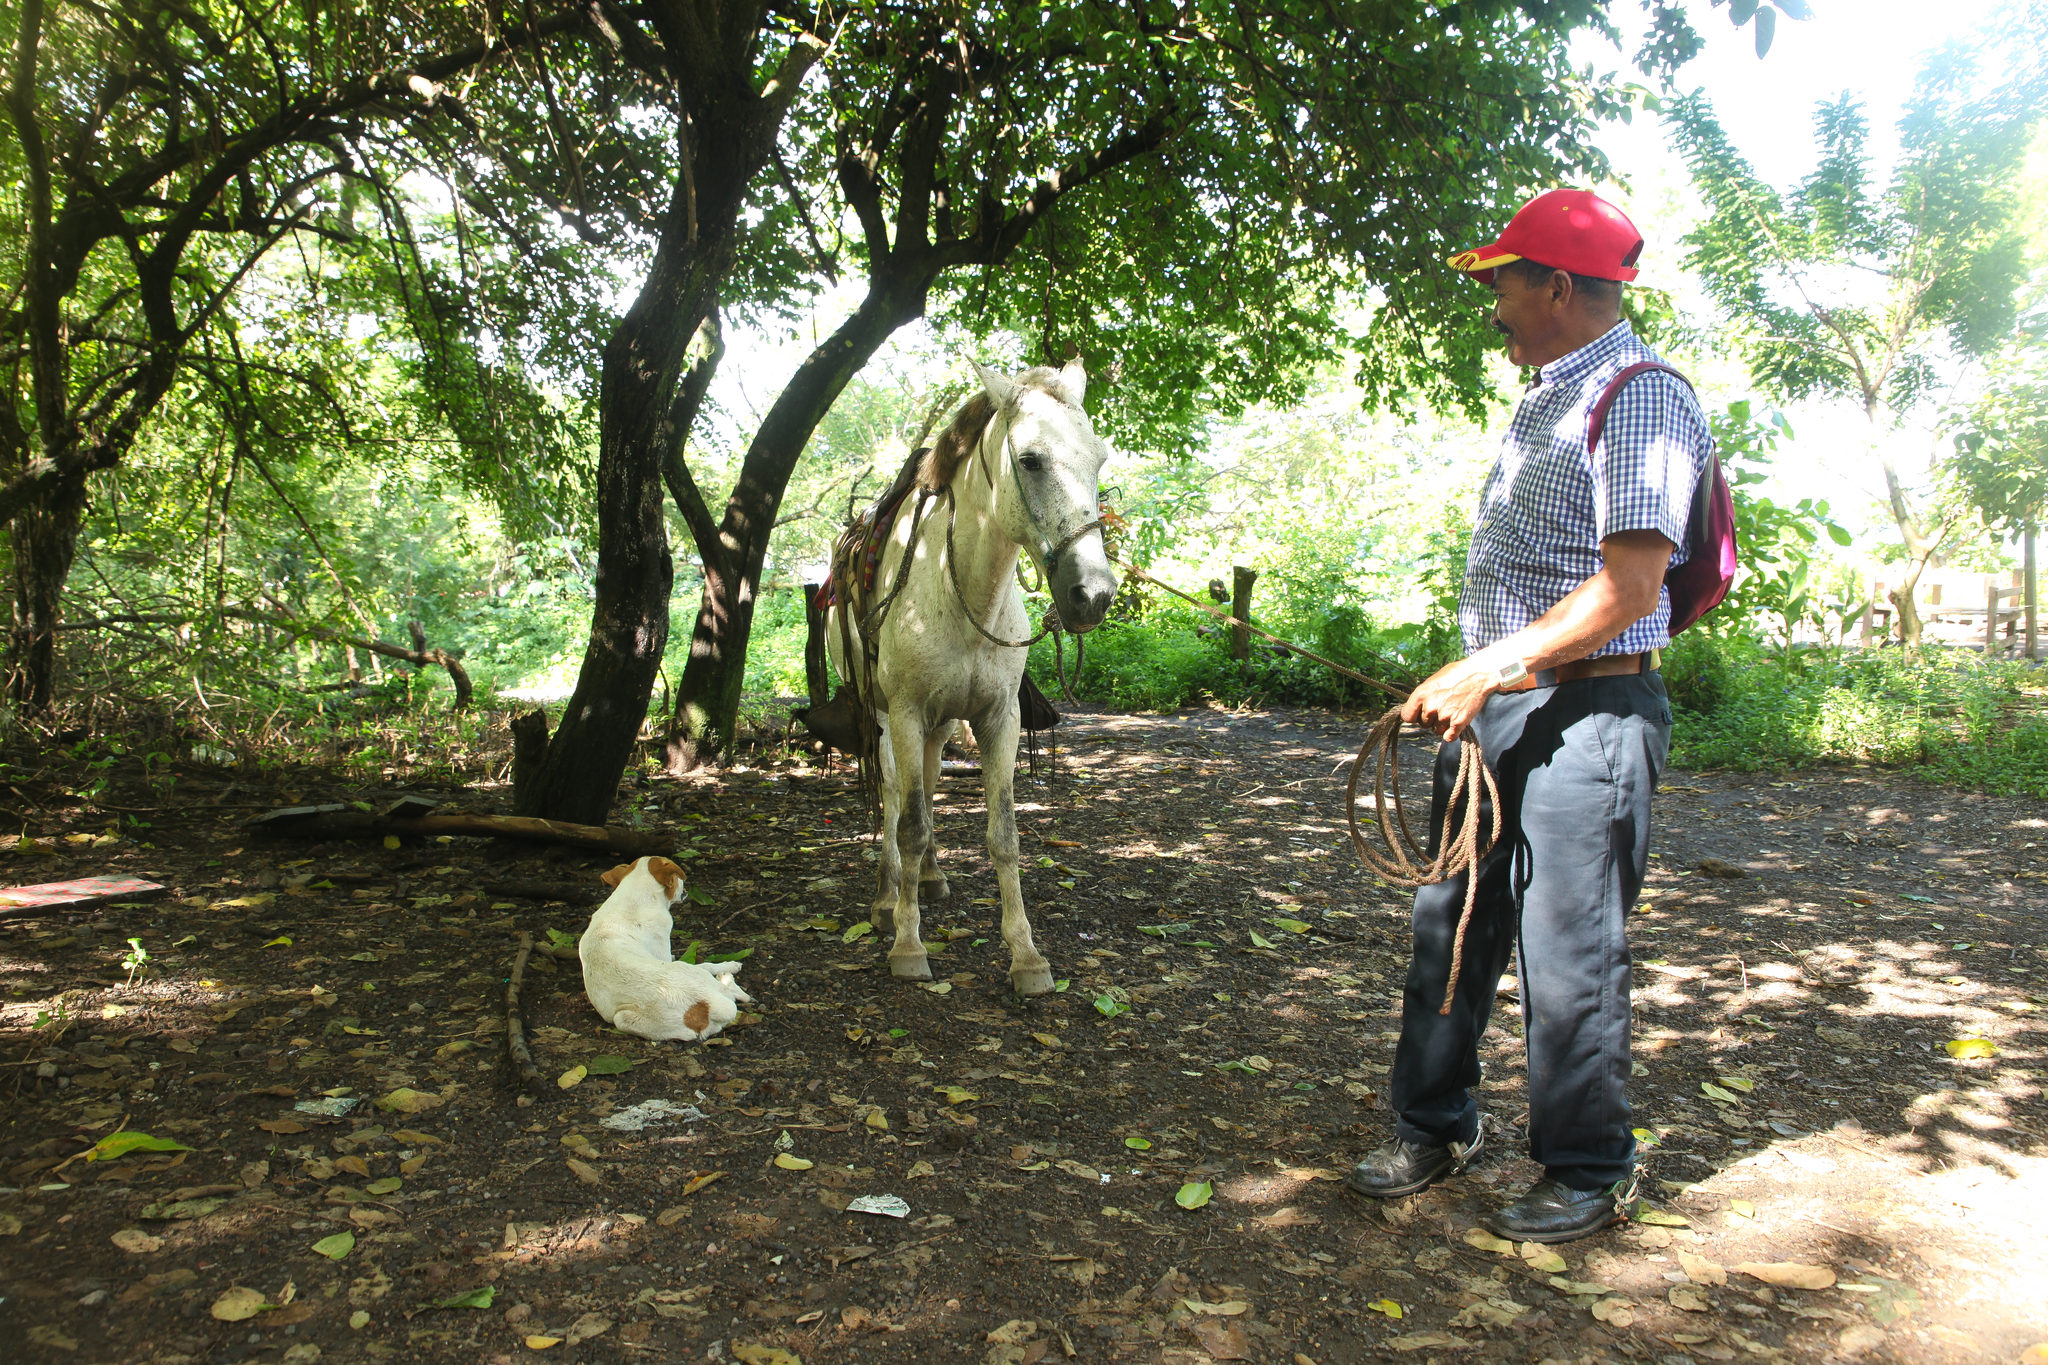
pixel 616 875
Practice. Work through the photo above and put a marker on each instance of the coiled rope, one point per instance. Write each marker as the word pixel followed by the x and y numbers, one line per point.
pixel 1404 860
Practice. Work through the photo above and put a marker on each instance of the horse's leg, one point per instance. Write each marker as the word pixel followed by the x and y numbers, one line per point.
pixel 931 882
pixel 911 834
pixel 1030 973
pixel 888 867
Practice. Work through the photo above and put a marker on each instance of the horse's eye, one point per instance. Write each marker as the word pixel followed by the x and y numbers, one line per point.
pixel 1031 462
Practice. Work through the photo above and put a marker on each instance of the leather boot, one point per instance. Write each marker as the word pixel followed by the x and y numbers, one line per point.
pixel 1402 1167
pixel 1552 1211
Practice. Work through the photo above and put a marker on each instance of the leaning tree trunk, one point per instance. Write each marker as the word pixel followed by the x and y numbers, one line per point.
pixel 644 364
pixel 708 694
pixel 45 543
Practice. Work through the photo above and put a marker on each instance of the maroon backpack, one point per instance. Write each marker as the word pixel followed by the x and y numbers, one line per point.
pixel 1698 585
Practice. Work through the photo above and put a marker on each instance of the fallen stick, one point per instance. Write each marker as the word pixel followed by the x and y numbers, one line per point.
pixel 516 1050
pixel 628 843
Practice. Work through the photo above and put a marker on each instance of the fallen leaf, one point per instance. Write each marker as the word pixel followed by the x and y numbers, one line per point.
pixel 1964 1049
pixel 1576 1288
pixel 1786 1274
pixel 1229 1308
pixel 1259 940
pixel 1615 1312
pixel 283 1126
pixel 354 1165
pixel 1194 1194
pixel 1048 1040
pixel 792 1163
pixel 1742 1208
pixel 1715 1092
pixel 1659 1218
pixel 337 1246
pixel 1428 1341
pixel 237 1304
pixel 388 1185
pixel 407 1101
pixel 1688 1297
pixel 1138 1144
pixel 750 1353
pixel 954 1094
pixel 1742 1083
pixel 1541 1258
pixel 608 1066
pixel 1486 1241
pixel 698 1182
pixel 1700 1269
pixel 587 1173
pixel 1288 1217
pixel 1386 1306
pixel 588 1326
pixel 542 1343
pixel 1222 1340
pixel 572 1078
pixel 1079 1170
pixel 120 1144
pixel 136 1241
pixel 359 1319
pixel 919 1170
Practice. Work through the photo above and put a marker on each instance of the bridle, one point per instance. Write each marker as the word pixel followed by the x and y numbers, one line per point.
pixel 1046 554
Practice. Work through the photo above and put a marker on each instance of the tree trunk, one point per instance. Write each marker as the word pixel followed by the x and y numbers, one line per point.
pixel 708 694
pixel 45 542
pixel 645 361
pixel 1920 544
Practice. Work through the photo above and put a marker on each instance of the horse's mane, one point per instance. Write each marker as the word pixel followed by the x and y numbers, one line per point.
pixel 957 441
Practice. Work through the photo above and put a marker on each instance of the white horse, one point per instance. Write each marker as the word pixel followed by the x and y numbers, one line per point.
pixel 1018 470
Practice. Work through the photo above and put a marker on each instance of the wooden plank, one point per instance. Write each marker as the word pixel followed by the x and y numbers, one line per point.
pixel 82 891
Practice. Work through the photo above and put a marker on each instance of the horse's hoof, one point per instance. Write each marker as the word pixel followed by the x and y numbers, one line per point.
pixel 1031 980
pixel 936 889
pixel 917 968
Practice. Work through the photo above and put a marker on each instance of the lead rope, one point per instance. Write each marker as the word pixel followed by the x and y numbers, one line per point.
pixel 1405 861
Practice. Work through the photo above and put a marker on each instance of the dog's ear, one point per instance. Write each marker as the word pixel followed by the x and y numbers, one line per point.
pixel 616 875
pixel 669 874
pixel 697 1016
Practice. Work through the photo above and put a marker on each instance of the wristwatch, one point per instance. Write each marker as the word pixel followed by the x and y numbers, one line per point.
pixel 1509 674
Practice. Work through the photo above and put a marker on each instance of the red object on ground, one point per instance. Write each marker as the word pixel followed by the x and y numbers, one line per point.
pixel 83 891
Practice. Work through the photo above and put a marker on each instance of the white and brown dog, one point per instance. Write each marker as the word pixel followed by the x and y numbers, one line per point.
pixel 629 971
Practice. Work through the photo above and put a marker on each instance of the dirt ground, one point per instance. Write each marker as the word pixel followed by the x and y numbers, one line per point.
pixel 1228 1018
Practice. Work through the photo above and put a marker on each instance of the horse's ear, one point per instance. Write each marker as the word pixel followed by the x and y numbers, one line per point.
pixel 1074 381
pixel 1000 388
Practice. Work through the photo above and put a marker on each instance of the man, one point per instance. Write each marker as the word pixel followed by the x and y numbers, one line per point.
pixel 1562 613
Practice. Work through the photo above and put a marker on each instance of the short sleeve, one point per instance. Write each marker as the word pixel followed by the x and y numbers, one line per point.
pixel 1648 463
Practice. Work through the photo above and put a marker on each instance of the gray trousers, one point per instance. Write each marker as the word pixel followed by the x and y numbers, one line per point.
pixel 1576 765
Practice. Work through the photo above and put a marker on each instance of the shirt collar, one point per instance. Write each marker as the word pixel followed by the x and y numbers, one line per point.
pixel 1577 364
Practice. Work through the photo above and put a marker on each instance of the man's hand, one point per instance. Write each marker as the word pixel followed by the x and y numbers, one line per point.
pixel 1449 699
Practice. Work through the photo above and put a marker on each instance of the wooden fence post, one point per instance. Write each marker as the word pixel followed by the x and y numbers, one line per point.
pixel 2033 640
pixel 1990 616
pixel 815 676
pixel 1241 580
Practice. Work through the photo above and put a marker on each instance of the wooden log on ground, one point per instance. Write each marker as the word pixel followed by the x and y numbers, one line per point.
pixel 615 839
pixel 572 892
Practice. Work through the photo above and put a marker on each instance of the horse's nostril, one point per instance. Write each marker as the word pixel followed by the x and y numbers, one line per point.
pixel 1079 592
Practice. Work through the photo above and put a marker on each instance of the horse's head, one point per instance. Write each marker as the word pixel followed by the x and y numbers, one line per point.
pixel 1051 503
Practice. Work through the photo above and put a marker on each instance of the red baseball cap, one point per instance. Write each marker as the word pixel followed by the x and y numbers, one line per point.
pixel 1570 230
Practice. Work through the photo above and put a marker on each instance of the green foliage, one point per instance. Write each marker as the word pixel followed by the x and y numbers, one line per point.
pixel 2000 462
pixel 1777 579
pixel 1958 718
pixel 1943 244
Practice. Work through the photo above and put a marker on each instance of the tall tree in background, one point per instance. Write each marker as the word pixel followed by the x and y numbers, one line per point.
pixel 1834 290
pixel 1188 199
pixel 156 152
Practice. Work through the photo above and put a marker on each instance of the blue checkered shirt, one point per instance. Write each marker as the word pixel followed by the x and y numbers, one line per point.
pixel 1548 503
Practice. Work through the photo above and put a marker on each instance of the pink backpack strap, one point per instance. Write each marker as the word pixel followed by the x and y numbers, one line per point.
pixel 1596 425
